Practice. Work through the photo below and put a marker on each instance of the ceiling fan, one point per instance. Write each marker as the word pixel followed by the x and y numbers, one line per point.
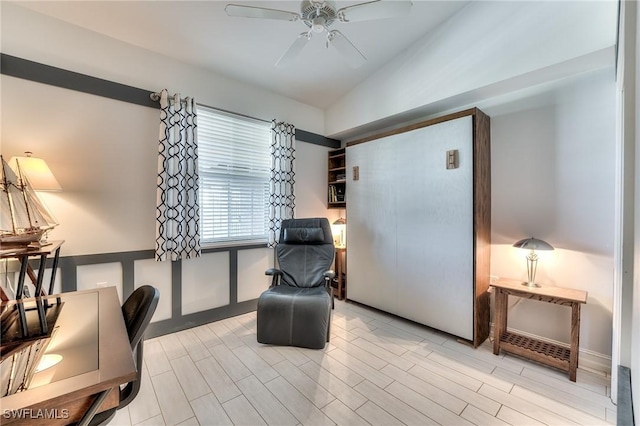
pixel 319 16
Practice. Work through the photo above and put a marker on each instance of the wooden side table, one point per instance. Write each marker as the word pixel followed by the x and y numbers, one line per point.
pixel 546 353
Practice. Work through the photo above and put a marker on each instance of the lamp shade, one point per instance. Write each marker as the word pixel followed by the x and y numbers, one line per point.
pixel 532 258
pixel 533 244
pixel 36 170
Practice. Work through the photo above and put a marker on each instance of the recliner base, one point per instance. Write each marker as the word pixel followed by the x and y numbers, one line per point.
pixel 311 308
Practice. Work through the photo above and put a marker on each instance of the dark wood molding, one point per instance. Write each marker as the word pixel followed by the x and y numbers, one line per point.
pixel 481 223
pixel 481 208
pixel 415 126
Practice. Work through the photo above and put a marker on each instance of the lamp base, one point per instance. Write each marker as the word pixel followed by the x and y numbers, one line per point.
pixel 531 284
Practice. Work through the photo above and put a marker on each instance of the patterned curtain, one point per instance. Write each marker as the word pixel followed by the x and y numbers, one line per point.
pixel 281 197
pixel 177 212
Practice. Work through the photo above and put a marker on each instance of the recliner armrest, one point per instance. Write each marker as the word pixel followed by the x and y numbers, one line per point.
pixel 273 271
pixel 276 273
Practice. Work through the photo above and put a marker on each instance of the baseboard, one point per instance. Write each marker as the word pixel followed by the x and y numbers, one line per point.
pixel 587 359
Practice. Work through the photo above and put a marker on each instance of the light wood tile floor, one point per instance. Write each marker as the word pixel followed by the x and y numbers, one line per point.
pixel 377 370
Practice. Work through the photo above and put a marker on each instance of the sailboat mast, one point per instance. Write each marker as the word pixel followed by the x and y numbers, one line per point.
pixel 6 184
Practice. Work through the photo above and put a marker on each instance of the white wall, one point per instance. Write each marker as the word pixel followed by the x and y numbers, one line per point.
pixel 552 173
pixel 482 45
pixel 626 347
pixel 59 44
pixel 104 152
pixel 311 180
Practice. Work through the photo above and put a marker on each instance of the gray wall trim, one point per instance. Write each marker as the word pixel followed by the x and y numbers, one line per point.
pixel 176 289
pixel 625 401
pixel 316 139
pixel 128 277
pixel 172 325
pixel 92 259
pixel 69 278
pixel 41 73
pixel 233 277
pixel 47 74
pixel 68 275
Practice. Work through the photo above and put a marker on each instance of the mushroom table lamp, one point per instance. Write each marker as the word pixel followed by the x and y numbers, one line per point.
pixel 532 258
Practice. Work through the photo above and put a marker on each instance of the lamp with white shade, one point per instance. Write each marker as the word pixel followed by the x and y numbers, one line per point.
pixel 37 171
pixel 340 228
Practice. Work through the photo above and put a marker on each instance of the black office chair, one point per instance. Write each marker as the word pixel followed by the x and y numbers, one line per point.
pixel 137 311
pixel 296 309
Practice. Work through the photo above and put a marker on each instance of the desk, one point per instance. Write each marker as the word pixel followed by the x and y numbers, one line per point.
pixel 546 353
pixel 23 254
pixel 89 331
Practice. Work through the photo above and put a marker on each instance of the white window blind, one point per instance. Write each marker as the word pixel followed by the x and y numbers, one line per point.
pixel 234 164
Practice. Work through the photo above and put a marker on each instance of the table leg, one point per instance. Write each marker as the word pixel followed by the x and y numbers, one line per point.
pixel 23 319
pixel 500 320
pixel 575 340
pixel 40 278
pixel 54 269
pixel 42 316
pixel 24 262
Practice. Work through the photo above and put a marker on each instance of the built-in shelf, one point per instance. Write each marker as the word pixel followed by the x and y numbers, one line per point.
pixel 337 179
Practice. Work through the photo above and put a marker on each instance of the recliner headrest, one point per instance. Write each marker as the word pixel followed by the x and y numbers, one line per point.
pixel 303 236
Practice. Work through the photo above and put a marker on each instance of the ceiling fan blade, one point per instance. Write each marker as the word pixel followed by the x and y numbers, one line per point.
pixel 294 50
pixel 260 12
pixel 378 9
pixel 342 44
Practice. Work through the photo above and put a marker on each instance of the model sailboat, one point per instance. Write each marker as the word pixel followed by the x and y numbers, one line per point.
pixel 23 216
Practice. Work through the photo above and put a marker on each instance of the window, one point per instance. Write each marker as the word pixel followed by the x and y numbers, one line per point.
pixel 234 164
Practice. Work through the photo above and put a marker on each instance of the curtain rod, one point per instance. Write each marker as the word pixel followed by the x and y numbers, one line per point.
pixel 155 96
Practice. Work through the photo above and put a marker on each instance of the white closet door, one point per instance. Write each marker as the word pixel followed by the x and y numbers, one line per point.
pixel 371 224
pixel 435 227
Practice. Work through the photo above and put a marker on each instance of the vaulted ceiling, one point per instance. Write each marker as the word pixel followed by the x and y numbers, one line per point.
pixel 200 33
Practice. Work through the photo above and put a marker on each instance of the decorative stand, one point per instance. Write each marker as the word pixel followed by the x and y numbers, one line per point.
pixel 537 350
pixel 23 254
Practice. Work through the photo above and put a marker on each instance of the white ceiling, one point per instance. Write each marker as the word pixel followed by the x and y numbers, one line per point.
pixel 200 33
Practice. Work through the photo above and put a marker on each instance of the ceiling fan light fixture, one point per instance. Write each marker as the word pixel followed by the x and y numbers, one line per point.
pixel 317 25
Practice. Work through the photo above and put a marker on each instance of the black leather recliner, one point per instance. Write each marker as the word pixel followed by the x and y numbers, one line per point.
pixel 296 309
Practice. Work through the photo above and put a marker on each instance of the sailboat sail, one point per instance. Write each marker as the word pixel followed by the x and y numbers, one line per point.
pixel 6 221
pixel 24 217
